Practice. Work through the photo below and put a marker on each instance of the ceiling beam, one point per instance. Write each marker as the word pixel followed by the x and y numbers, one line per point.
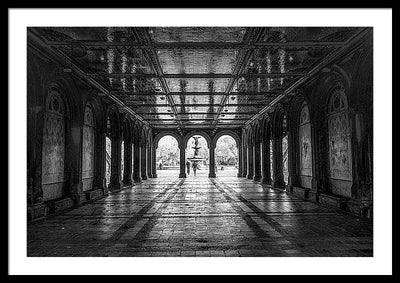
pixel 196 105
pixel 252 93
pixel 199 113
pixel 197 45
pixel 253 35
pixel 322 64
pixel 65 60
pixel 194 76
pixel 142 34
pixel 194 119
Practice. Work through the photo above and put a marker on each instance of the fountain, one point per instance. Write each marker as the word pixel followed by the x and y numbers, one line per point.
pixel 196 158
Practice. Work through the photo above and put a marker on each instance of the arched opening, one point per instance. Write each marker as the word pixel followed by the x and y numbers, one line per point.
pixel 305 147
pixel 88 150
pixel 197 156
pixel 226 157
pixel 122 159
pixel 339 140
pixel 54 144
pixel 271 159
pixel 285 155
pixel 108 151
pixel 167 157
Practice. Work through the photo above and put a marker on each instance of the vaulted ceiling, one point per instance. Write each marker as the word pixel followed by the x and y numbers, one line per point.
pixel 189 78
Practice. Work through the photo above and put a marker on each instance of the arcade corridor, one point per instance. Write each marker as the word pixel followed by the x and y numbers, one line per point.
pixel 295 103
pixel 199 216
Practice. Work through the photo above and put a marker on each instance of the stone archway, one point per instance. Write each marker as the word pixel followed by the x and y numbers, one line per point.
pixel 211 158
pixel 167 153
pixel 237 140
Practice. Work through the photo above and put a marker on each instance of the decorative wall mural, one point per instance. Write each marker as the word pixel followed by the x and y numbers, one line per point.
pixel 285 167
pixel 339 138
pixel 53 149
pixel 122 160
pixel 305 142
pixel 271 159
pixel 53 141
pixel 88 150
pixel 53 154
pixel 108 160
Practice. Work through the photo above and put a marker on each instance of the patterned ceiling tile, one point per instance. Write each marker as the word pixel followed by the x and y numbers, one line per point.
pixel 197 61
pixel 308 34
pixel 197 84
pixel 106 34
pixel 106 55
pixel 197 34
pixel 197 99
pixel 194 109
pixel 284 61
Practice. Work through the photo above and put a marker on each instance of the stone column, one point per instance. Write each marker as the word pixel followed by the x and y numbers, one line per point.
pixel 244 161
pixel 182 161
pixel 278 164
pixel 211 171
pixel 256 158
pixel 153 162
pixel 148 160
pixel 250 171
pixel 240 161
pixel 73 163
pixel 143 163
pixel 36 207
pixel 136 162
pixel 115 178
pixel 127 180
pixel 265 163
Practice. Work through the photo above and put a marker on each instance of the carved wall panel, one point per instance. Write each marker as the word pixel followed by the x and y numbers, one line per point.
pixel 88 150
pixel 339 138
pixel 53 158
pixel 108 160
pixel 285 164
pixel 305 143
pixel 271 159
pixel 122 160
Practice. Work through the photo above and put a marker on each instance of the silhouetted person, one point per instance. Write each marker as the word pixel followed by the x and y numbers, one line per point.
pixel 194 168
pixel 188 167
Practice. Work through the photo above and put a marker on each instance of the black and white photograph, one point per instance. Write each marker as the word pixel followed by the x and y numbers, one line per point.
pixel 200 147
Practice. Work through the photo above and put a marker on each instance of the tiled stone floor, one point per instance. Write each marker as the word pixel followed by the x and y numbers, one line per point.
pixel 198 216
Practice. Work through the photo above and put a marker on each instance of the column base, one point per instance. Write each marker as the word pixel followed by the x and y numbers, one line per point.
pixel 280 185
pixel 249 176
pixel 212 175
pixel 94 194
pixel 300 192
pixel 60 204
pixel 115 187
pixel 266 181
pixel 257 178
pixel 154 176
pixel 127 182
pixel 79 198
pixel 182 175
pixel 144 177
pixel 37 211
pixel 137 180
pixel 239 175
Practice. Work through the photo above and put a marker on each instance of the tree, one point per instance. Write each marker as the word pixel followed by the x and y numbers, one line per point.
pixel 168 151
pixel 226 151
